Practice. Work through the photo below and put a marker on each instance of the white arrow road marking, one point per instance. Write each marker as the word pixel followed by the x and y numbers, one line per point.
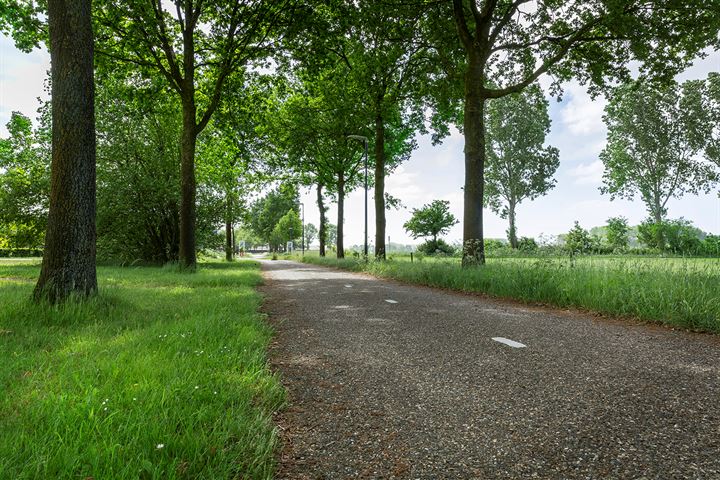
pixel 509 342
pixel 391 301
pixel 348 286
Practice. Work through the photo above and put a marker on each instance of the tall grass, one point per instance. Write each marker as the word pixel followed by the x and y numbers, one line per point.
pixel 162 375
pixel 676 292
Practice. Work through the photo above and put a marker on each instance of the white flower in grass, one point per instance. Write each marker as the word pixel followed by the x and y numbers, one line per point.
pixel 160 446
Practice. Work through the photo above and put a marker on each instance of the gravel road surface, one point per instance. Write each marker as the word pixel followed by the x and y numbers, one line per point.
pixel 394 381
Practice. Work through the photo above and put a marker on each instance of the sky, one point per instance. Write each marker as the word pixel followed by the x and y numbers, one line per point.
pixel 436 172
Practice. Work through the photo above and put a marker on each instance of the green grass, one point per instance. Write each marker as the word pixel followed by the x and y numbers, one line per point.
pixel 162 375
pixel 679 292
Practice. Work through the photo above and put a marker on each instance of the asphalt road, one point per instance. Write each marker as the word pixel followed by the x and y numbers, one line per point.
pixel 394 381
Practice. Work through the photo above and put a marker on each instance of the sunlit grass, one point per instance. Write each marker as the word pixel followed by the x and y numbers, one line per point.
pixel 675 291
pixel 162 375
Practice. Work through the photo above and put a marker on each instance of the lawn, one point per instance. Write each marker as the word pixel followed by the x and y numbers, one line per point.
pixel 675 291
pixel 162 375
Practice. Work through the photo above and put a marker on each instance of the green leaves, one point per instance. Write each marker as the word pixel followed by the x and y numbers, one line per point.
pixel 655 136
pixel 431 220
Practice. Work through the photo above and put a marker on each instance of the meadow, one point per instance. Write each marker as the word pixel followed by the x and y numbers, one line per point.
pixel 161 375
pixel 682 292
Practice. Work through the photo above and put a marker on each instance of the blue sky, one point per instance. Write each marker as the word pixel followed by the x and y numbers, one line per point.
pixel 436 172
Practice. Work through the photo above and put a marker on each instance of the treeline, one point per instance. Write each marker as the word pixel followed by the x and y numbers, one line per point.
pixel 201 104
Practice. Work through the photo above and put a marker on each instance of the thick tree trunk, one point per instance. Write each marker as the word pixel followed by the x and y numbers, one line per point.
pixel 68 266
pixel 512 230
pixel 322 231
pixel 229 250
pixel 341 213
pixel 474 129
pixel 188 141
pixel 379 188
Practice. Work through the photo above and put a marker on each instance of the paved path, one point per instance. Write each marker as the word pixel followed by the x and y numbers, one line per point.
pixel 417 387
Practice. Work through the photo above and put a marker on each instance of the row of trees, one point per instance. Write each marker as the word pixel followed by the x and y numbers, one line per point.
pixel 376 69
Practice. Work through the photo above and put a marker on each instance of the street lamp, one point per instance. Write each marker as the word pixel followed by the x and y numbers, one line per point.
pixel 365 143
pixel 303 228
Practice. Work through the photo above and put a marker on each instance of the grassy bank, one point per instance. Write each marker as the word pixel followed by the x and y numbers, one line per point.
pixel 163 375
pixel 683 293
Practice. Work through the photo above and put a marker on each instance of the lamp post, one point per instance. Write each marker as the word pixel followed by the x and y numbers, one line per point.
pixel 365 143
pixel 303 228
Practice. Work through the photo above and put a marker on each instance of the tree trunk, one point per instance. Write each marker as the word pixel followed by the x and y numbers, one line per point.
pixel 228 228
pixel 341 213
pixel 474 129
pixel 379 188
pixel 658 215
pixel 512 231
pixel 188 141
pixel 322 232
pixel 68 266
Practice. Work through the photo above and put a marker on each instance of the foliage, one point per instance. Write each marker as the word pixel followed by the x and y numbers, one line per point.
pixel 24 181
pixel 519 165
pixel 431 220
pixel 311 233
pixel 653 144
pixel 527 244
pixel 266 212
pixel 436 247
pixel 617 232
pixel 167 365
pixel 676 236
pixel 578 240
pixel 287 229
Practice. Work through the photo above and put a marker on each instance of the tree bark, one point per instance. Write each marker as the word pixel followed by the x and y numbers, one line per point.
pixel 512 230
pixel 474 129
pixel 229 250
pixel 379 188
pixel 341 212
pixel 322 232
pixel 68 266
pixel 658 215
pixel 188 142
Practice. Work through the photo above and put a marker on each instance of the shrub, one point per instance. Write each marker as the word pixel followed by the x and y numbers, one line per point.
pixel 578 240
pixel 527 244
pixel 436 247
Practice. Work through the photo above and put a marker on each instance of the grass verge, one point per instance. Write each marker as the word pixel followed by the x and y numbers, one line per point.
pixel 673 293
pixel 162 375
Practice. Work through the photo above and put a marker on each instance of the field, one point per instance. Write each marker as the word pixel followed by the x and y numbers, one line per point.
pixel 162 375
pixel 683 292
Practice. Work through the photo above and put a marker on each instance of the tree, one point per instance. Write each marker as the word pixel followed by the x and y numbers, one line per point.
pixel 68 266
pixel 431 220
pixel 311 232
pixel 617 232
pixel 266 212
pixel 196 47
pixel 578 240
pixel 518 166
pixel 24 183
pixel 331 233
pixel 507 45
pixel 712 132
pixel 653 145
pixel 288 228
pixel 310 130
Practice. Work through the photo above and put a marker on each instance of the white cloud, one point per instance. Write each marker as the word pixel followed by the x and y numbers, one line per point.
pixel 582 115
pixel 588 173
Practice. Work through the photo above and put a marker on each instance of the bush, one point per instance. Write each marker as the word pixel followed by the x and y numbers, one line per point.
pixel 677 236
pixel 21 252
pixel 436 248
pixel 527 244
pixel 578 240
